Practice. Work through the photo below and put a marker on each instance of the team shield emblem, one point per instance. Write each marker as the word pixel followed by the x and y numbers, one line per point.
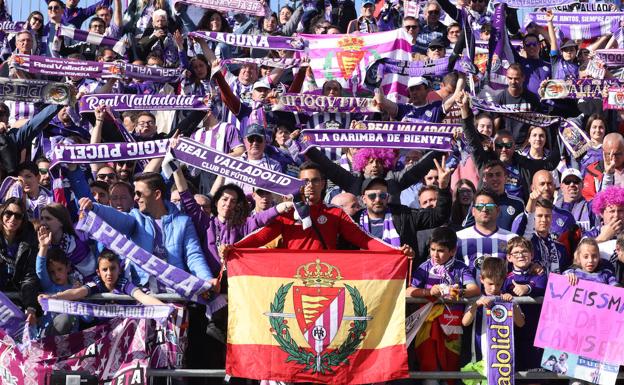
pixel 319 312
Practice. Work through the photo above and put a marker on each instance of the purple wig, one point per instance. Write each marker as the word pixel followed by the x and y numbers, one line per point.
pixel 362 156
pixel 611 196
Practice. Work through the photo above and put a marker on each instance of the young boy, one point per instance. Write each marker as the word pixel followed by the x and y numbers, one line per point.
pixel 493 273
pixel 53 268
pixel 442 276
pixel 523 281
pixel 108 280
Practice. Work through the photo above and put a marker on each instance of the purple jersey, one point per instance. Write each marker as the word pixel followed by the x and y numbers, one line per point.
pixel 432 112
pixel 453 272
pixel 600 276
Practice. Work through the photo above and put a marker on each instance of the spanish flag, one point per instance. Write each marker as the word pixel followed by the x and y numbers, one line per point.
pixel 327 316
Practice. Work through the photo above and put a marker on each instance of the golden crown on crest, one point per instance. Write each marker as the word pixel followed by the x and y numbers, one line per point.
pixel 318 273
pixel 351 43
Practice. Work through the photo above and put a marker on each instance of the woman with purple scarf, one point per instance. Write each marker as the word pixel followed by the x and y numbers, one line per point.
pixel 230 221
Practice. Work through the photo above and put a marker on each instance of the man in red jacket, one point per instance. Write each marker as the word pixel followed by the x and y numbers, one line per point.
pixel 328 222
pixel 607 172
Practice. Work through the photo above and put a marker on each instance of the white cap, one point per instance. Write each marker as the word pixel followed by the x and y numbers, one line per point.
pixel 261 83
pixel 571 172
pixel 416 81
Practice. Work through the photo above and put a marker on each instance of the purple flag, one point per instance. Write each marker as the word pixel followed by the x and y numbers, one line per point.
pixel 108 152
pixel 574 138
pixel 500 343
pixel 377 139
pixel 156 102
pixel 207 159
pixel 159 312
pixel 12 319
pixel 500 53
pixel 253 41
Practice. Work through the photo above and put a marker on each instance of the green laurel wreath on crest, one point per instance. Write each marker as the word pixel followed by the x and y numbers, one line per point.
pixel 302 356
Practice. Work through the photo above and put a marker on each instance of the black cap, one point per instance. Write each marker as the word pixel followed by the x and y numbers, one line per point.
pixel 254 129
pixel 437 42
pixel 568 44
pixel 372 181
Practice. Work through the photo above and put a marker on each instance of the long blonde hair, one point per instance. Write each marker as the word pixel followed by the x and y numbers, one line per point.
pixel 585 241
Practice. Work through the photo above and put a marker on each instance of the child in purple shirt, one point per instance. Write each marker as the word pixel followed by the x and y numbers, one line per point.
pixel 520 282
pixel 442 276
pixel 587 265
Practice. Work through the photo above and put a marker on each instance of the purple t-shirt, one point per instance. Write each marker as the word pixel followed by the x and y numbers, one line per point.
pixel 453 272
pixel 432 112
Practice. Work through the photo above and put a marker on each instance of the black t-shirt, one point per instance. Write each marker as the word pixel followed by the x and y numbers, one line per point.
pixel 527 101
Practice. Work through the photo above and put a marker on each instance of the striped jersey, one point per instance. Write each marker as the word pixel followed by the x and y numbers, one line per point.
pixel 473 246
pixel 240 90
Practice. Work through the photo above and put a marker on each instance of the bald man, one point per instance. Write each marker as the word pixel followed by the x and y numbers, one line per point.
pixel 543 187
pixel 348 202
pixel 607 172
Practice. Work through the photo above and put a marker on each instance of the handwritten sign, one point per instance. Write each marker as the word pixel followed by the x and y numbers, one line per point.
pixel 585 319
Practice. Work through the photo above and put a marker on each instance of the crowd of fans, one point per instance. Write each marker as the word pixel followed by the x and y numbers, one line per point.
pixel 509 205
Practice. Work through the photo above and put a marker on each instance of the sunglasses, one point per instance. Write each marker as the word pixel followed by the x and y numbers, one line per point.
pixel 433 12
pixel 531 44
pixel 485 206
pixel 37 19
pixel 571 181
pixel 9 214
pixel 43 171
pixel 436 48
pixel 103 176
pixel 138 194
pixel 373 196
pixel 54 8
pixel 410 27
pixel 507 145
pixel 255 138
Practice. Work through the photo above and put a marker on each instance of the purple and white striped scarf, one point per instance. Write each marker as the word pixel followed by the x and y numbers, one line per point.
pixel 580 25
pixel 532 118
pixel 284 63
pixel 118 45
pixel 611 57
pixel 390 235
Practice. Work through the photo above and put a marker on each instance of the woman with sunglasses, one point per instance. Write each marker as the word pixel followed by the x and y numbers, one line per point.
pixel 34 24
pixel 462 200
pixel 18 252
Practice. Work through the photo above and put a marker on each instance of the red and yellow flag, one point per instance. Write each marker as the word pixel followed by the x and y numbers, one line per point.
pixel 332 317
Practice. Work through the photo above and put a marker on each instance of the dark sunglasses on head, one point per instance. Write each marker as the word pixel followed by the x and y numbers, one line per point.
pixel 255 138
pixel 485 206
pixel 507 145
pixel 571 181
pixel 372 196
pixel 9 214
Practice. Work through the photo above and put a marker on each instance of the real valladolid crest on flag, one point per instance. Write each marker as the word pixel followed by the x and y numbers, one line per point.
pixel 331 317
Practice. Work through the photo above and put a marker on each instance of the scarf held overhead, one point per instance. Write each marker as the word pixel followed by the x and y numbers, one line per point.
pixel 317 103
pixel 253 41
pixel 329 138
pixel 108 152
pixel 35 91
pixel 250 7
pixel 132 102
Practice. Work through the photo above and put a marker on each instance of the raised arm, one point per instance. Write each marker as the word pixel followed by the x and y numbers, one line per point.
pixel 27 133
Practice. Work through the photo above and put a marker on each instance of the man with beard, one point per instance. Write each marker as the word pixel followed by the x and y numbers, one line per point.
pixel 398 224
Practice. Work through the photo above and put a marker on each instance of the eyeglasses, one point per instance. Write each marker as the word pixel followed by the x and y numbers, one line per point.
pixel 9 214
pixel 43 171
pixel 103 176
pixel 520 253
pixel 313 181
pixel 531 44
pixel 571 181
pixel 146 123
pixel 54 8
pixel 409 27
pixel 373 196
pixel 255 138
pixel 507 145
pixel 485 206
pixel 436 48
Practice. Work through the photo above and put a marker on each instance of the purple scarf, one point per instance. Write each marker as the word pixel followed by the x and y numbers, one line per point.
pixel 253 41
pixel 329 138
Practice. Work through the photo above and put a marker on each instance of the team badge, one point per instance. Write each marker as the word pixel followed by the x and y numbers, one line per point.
pixel 560 222
pixel 319 307
pixel 511 210
pixel 322 219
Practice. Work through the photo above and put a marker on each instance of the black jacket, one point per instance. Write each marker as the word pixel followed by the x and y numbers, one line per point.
pixel 24 278
pixel 408 221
